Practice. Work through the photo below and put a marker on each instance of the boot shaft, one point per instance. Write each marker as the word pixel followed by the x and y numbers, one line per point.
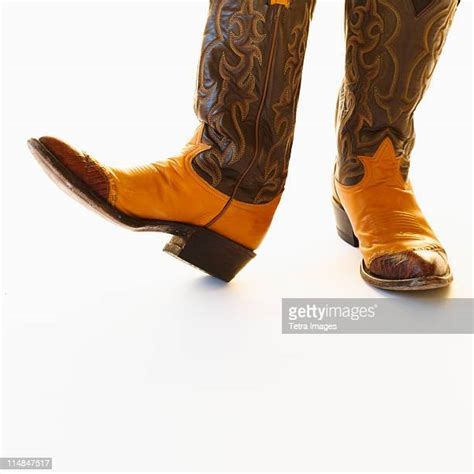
pixel 248 88
pixel 392 50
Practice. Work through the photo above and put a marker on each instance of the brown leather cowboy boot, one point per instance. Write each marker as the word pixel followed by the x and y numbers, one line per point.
pixel 392 49
pixel 218 197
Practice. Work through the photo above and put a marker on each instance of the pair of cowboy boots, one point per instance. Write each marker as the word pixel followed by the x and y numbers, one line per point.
pixel 218 197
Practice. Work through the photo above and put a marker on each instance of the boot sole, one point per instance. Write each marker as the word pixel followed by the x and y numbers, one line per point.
pixel 345 231
pixel 198 246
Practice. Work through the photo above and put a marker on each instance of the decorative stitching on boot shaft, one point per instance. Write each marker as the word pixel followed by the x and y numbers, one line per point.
pixel 246 127
pixel 391 55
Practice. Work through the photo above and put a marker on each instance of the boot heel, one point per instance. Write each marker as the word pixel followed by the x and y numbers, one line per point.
pixel 343 225
pixel 211 252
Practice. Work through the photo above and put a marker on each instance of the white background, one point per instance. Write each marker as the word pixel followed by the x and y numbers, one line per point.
pixel 118 357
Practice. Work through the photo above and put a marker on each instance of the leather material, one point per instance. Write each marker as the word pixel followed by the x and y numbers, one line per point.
pixel 81 164
pixel 421 5
pixel 386 217
pixel 392 50
pixel 172 191
pixel 230 177
pixel 248 88
pixel 410 264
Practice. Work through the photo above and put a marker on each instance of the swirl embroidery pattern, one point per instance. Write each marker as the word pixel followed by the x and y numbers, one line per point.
pixel 248 88
pixel 392 51
pixel 275 161
pixel 227 82
pixel 364 34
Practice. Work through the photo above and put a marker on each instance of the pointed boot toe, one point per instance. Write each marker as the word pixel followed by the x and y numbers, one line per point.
pixel 412 264
pixel 410 270
pixel 82 166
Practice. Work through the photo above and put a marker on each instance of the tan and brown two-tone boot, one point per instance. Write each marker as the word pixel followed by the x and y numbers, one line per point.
pixel 392 50
pixel 218 197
